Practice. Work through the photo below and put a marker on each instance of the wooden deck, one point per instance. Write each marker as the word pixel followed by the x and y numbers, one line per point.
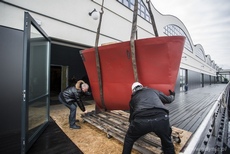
pixel 186 114
pixel 189 109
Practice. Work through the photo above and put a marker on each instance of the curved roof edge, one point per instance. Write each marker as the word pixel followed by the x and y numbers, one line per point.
pixel 197 49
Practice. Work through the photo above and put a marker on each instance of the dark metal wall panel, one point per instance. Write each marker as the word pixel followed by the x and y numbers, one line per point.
pixel 177 87
pixel 11 54
pixel 194 80
pixel 207 79
pixel 213 79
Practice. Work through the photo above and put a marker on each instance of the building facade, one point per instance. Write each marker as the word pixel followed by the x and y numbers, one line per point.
pixel 72 26
pixel 69 24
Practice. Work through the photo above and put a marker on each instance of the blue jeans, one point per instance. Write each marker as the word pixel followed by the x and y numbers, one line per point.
pixel 140 127
pixel 72 108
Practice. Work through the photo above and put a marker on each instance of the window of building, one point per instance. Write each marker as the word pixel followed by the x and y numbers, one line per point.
pixel 200 54
pixel 174 30
pixel 142 10
pixel 208 60
pixel 213 64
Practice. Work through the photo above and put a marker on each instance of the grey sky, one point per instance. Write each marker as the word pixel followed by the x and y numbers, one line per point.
pixel 208 23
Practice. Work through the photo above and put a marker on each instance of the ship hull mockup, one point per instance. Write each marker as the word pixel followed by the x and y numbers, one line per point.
pixel 157 62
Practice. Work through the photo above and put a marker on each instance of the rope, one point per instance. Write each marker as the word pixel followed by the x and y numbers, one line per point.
pixel 132 43
pixel 152 19
pixel 98 58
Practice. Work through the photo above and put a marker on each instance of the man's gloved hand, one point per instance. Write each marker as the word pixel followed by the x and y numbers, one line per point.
pixel 172 92
pixel 84 113
pixel 87 93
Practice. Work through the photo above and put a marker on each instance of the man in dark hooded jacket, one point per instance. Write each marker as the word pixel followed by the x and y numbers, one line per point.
pixel 71 98
pixel 148 114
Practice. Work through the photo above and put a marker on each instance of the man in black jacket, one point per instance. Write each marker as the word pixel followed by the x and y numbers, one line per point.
pixel 71 98
pixel 148 114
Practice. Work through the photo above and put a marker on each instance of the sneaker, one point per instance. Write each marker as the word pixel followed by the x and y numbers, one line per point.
pixel 75 127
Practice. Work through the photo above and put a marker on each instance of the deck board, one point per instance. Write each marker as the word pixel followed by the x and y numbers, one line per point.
pixel 189 109
pixel 186 113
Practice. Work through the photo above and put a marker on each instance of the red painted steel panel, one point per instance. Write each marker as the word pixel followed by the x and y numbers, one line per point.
pixel 158 61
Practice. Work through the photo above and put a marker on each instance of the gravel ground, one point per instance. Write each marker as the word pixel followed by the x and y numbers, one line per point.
pixel 89 139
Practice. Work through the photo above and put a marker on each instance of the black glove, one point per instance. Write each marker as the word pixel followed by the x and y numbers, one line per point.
pixel 87 93
pixel 172 92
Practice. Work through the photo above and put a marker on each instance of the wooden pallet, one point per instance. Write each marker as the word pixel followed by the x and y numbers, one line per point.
pixel 115 124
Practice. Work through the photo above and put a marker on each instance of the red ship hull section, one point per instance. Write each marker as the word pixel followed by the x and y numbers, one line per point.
pixel 158 61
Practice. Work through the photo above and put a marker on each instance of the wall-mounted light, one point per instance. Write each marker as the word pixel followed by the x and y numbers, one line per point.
pixel 94 14
pixel 184 58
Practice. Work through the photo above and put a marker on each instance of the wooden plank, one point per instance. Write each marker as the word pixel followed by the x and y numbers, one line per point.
pixel 115 124
pixel 110 129
pixel 184 137
pixel 185 105
pixel 187 116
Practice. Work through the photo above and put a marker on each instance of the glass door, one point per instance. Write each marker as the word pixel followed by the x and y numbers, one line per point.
pixel 36 81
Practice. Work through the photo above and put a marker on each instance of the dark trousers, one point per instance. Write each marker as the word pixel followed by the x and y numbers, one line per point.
pixel 140 127
pixel 72 108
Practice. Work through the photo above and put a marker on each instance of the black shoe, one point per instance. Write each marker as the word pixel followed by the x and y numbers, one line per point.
pixel 77 120
pixel 75 127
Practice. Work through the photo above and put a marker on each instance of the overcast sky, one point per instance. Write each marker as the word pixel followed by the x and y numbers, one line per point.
pixel 208 23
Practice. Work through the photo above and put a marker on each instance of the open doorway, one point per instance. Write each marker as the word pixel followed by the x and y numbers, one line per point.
pixel 67 67
pixel 58 81
pixel 55 80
